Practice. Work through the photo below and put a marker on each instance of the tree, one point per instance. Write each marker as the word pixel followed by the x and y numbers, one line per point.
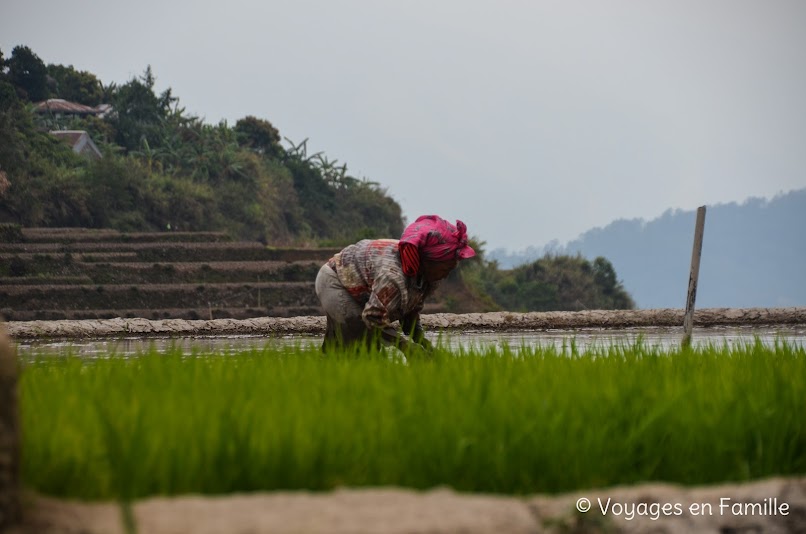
pixel 76 86
pixel 139 112
pixel 28 74
pixel 316 199
pixel 259 135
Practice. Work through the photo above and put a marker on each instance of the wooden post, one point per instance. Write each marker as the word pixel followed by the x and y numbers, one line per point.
pixel 696 252
pixel 9 435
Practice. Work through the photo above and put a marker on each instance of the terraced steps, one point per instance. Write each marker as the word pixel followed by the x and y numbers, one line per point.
pixel 123 296
pixel 68 273
pixel 38 271
pixel 79 273
pixel 166 313
pixel 74 235
pixel 36 280
pixel 169 251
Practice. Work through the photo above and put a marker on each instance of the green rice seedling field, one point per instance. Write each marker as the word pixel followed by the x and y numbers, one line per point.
pixel 517 420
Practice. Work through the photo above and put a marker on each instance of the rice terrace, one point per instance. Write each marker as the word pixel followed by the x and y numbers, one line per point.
pixel 589 421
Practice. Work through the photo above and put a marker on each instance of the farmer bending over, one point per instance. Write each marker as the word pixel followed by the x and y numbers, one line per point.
pixel 373 283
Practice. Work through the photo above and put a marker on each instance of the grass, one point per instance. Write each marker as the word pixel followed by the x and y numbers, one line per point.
pixel 521 420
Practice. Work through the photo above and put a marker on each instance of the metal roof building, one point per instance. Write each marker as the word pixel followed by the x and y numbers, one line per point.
pixel 80 141
pixel 58 106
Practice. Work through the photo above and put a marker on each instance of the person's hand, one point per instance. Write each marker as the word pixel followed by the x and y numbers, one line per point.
pixel 419 351
pixel 427 345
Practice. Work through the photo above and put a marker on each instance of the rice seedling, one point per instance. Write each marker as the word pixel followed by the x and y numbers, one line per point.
pixel 507 420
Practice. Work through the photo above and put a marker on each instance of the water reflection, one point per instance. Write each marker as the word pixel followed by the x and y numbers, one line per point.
pixel 659 337
pixel 583 339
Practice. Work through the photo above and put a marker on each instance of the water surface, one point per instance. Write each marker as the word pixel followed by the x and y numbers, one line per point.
pixel 582 338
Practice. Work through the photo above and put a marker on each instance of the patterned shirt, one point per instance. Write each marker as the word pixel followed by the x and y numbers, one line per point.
pixel 371 272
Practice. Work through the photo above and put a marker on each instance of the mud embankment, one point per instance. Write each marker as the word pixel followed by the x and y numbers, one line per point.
pixel 494 321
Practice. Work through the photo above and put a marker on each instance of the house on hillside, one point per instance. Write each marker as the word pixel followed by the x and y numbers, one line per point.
pixel 58 107
pixel 79 141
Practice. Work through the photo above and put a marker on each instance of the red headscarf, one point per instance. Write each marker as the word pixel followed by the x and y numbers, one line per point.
pixel 433 238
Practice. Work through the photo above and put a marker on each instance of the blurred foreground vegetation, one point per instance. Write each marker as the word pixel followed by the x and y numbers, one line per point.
pixel 517 420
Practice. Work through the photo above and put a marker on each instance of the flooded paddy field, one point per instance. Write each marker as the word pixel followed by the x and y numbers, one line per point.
pixel 477 424
pixel 581 339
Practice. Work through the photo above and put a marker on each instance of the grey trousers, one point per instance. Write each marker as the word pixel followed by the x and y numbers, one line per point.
pixel 344 323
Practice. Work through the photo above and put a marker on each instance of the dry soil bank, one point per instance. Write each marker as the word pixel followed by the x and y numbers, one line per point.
pixel 769 506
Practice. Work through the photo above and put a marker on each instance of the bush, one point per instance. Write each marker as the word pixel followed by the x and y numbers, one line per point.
pixel 10 233
pixel 552 283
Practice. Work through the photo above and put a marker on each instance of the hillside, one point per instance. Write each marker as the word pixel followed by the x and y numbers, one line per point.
pixel 158 175
pixel 753 255
pixel 155 167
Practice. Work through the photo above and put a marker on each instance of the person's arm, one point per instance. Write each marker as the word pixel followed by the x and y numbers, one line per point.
pixel 386 296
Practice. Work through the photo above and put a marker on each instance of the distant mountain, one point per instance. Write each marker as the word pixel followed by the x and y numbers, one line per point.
pixel 754 254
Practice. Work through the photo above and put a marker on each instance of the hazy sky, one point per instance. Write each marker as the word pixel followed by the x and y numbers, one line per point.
pixel 530 121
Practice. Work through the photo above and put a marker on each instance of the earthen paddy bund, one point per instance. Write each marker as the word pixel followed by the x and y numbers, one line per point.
pixel 581 339
pixel 576 331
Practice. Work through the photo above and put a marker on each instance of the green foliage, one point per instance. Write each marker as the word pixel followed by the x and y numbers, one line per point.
pixel 10 233
pixel 509 420
pixel 27 72
pixel 339 208
pixel 8 95
pixel 552 283
pixel 316 199
pixel 139 112
pixel 40 174
pixel 75 86
pixel 163 168
pixel 259 135
pixel 120 194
